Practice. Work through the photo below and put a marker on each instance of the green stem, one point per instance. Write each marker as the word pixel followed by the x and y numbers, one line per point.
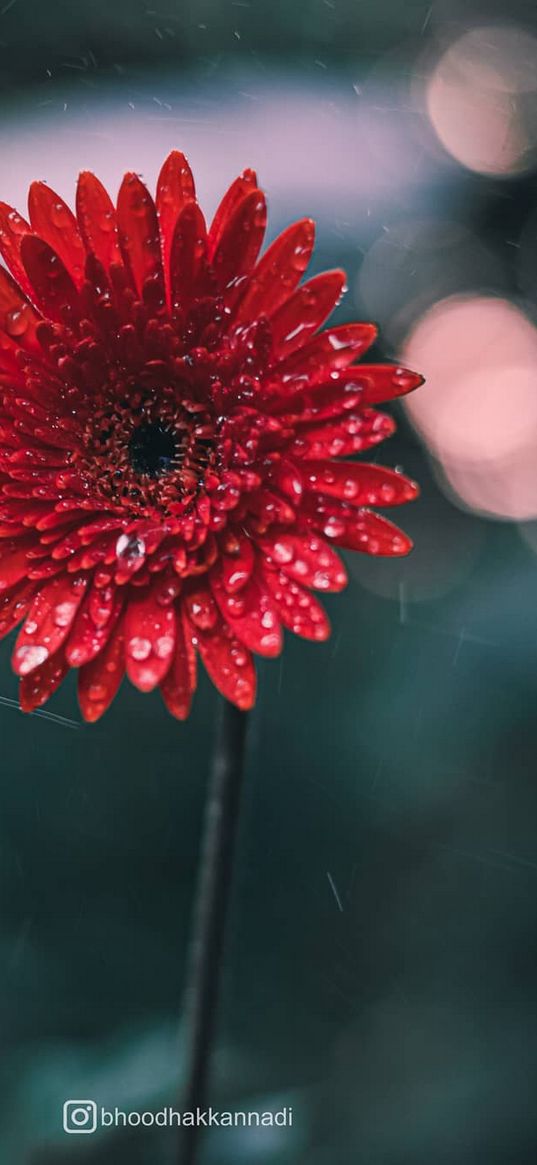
pixel 210 913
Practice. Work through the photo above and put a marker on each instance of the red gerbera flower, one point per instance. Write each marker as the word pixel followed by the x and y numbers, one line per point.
pixel 170 412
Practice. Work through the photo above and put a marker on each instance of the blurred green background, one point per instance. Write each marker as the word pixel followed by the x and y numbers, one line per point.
pixel 380 968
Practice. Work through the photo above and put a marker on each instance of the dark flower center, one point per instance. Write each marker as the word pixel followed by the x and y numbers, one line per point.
pixel 152 449
pixel 149 451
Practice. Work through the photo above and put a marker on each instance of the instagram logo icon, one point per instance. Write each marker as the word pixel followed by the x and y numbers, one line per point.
pixel 80 1116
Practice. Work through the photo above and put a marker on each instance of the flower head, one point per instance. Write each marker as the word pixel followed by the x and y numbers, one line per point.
pixel 173 435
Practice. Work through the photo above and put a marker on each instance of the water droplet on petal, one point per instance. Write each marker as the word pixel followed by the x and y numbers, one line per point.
pixel 282 552
pixel 16 321
pixel 106 221
pixel 239 657
pixel 402 378
pixel 168 592
pixel 130 549
pixel 31 657
pixel 350 489
pixel 139 648
pixel 63 614
pixel 57 214
pixel 334 527
pixel 164 646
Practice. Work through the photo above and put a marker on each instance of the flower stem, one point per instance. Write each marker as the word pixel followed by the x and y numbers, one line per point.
pixel 210 912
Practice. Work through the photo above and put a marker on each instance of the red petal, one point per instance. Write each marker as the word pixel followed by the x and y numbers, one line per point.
pixel 35 689
pixel 358 529
pixel 179 683
pixel 251 614
pixel 139 237
pixel 358 483
pixel 14 606
pixel 48 623
pixel 318 402
pixel 363 384
pixel 242 185
pixel 278 272
pixel 188 257
pixel 18 319
pixel 149 639
pixel 94 624
pixel 97 219
pixel 351 434
pixel 286 476
pixel 10 373
pixel 98 681
pixel 14 563
pixel 240 240
pixel 297 608
pixel 175 188
pixel 200 606
pixel 270 508
pixel 237 562
pixel 332 349
pixel 52 219
pixel 306 558
pixel 229 664
pixel 379 382
pixel 305 311
pixel 13 227
pixel 53 290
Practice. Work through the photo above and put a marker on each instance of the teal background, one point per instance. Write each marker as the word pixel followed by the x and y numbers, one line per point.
pixel 380 964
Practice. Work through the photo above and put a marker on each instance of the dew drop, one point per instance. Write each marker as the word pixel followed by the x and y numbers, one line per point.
pixel 236 606
pixel 282 552
pixel 242 689
pixel 57 214
pixel 236 579
pixel 16 321
pixel 164 646
pixel 167 593
pixel 350 489
pixel 270 642
pixel 130 549
pixel 107 221
pixel 30 657
pixel 334 527
pixel 63 614
pixel 336 343
pixel 139 648
pixel 402 378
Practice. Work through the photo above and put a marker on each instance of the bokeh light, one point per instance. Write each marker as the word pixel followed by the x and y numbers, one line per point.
pixel 478 415
pixel 482 99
